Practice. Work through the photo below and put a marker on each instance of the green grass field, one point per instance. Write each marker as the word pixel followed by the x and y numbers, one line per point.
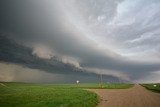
pixel 50 95
pixel 153 87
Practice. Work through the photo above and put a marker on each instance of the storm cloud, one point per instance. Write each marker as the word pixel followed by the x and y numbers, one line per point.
pixel 116 38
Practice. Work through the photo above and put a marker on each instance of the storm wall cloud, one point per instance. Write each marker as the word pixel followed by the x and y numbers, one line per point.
pixel 117 38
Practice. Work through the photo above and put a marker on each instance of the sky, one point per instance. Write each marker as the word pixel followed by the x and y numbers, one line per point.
pixel 59 41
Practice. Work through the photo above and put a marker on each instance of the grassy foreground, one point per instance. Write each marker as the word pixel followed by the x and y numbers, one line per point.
pixel 153 87
pixel 50 95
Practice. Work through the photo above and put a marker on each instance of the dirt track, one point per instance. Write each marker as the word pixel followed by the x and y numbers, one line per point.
pixel 136 96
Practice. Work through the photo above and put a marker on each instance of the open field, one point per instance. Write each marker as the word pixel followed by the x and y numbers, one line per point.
pixel 153 86
pixel 77 95
pixel 51 95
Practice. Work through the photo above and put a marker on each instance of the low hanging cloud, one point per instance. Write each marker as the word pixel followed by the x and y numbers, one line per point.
pixel 46 52
pixel 12 72
pixel 42 51
pixel 118 74
pixel 71 60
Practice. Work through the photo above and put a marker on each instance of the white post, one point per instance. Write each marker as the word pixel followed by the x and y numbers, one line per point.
pixel 101 80
pixel 77 81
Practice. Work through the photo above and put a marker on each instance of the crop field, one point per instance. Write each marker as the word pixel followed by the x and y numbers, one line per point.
pixel 153 86
pixel 51 95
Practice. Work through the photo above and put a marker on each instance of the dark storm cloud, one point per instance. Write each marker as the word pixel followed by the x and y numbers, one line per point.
pixel 61 37
pixel 10 51
pixel 22 56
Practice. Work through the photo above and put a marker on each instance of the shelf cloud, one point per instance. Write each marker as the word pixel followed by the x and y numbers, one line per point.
pixel 116 38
